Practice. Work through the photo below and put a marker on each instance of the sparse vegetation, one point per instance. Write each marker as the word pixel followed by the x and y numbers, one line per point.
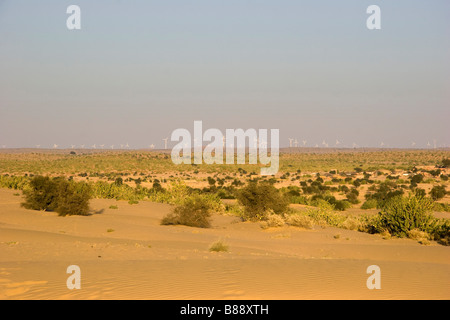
pixel 331 183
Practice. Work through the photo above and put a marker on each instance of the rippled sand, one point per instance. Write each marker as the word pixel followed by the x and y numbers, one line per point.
pixel 127 254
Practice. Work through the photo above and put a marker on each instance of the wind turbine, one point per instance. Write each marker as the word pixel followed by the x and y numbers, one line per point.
pixel 55 146
pixel 165 142
pixel 304 142
pixel 127 146
pixel 152 146
pixel 338 142
pixel 324 143
pixel 290 142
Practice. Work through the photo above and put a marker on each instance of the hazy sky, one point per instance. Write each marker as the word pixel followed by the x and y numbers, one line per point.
pixel 137 70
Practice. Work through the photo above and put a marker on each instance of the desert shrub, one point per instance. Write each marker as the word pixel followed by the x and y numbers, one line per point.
pixel 218 246
pixel 272 221
pixel 234 209
pixel 73 198
pixel 226 193
pixel 195 211
pixel 177 192
pixel 352 223
pixel 441 232
pixel 300 220
pixel 118 181
pixel 369 204
pixel 14 182
pixel 418 178
pixel 41 195
pixel 417 234
pixel 115 190
pixel 420 192
pixel 299 200
pixel 383 192
pixel 324 215
pixel 438 192
pixel 434 173
pixel 441 207
pixel 400 215
pixel 445 163
pixel 258 198
pixel 342 205
pixel 60 195
pixel 352 196
pixel 211 182
pixel 371 224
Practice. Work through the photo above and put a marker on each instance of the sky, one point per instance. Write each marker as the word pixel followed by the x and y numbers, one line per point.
pixel 138 69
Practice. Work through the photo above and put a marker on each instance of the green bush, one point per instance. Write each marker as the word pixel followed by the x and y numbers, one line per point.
pixel 73 198
pixel 369 204
pixel 441 232
pixel 14 182
pixel 383 192
pixel 42 194
pixel 418 178
pixel 195 211
pixel 400 215
pixel 60 195
pixel 258 198
pixel 325 215
pixel 352 196
pixel 438 192
pixel 342 205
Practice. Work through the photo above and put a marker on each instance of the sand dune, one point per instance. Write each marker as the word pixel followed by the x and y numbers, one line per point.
pixel 126 254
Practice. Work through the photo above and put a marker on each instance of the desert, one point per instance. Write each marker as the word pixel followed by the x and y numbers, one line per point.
pixel 124 252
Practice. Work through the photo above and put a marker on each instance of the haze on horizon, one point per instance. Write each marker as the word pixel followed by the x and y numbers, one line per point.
pixel 137 70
